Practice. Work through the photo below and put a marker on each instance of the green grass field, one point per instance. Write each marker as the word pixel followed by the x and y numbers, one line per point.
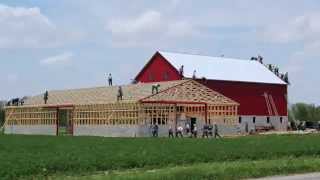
pixel 60 157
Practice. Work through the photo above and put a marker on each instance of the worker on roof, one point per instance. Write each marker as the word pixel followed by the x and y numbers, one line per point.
pixel 181 70
pixel 110 79
pixel 194 74
pixel 46 97
pixel 120 94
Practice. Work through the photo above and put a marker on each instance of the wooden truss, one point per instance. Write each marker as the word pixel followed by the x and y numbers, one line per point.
pixel 188 98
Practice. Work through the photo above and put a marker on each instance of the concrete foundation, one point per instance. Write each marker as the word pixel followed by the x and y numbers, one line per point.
pixel 279 123
pixel 30 129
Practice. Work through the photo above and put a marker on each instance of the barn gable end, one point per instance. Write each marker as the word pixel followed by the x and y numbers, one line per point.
pixel 157 69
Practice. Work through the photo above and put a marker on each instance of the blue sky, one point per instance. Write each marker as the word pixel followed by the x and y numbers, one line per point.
pixel 70 44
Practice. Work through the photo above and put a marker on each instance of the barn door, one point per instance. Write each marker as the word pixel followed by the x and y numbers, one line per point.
pixel 65 122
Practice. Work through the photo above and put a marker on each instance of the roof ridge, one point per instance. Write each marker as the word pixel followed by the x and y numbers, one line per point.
pixel 190 54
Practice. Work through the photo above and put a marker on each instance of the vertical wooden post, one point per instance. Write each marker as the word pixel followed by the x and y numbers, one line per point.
pixel 57 122
pixel 206 112
pixel 175 117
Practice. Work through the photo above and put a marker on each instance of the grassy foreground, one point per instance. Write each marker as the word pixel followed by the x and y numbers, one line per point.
pixel 225 170
pixel 30 156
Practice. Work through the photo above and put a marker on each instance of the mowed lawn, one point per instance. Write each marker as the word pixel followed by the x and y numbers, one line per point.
pixel 60 157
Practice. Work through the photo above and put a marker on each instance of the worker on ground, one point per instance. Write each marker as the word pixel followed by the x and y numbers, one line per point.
pixel 188 129
pixel 179 131
pixel 155 130
pixel 205 131
pixel 110 79
pixel 195 132
pixel 216 131
pixel 210 130
pixel 170 132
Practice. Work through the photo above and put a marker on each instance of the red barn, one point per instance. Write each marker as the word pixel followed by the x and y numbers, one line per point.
pixel 261 93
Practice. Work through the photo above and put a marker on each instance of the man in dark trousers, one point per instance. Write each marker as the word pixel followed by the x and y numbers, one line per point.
pixel 205 131
pixel 216 131
pixel 170 132
pixel 110 79
pixel 156 130
pixel 46 97
pixel 210 130
pixel 120 94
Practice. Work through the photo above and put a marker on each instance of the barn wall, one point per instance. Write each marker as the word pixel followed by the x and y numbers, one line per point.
pixel 250 96
pixel 30 129
pixel 155 71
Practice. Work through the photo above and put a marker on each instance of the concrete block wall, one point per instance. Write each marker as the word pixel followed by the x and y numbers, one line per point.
pixel 30 129
pixel 118 130
pixel 262 121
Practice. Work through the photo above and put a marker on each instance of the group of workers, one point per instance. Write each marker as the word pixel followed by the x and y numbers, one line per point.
pixel 208 130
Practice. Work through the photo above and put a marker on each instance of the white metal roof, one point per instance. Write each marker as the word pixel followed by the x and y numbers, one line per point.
pixel 220 68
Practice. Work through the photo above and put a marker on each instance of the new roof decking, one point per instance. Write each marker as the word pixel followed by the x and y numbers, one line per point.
pixel 219 68
pixel 99 95
pixel 190 91
pixel 182 91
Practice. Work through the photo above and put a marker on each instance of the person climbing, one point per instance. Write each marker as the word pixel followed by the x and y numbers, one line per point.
pixel 110 79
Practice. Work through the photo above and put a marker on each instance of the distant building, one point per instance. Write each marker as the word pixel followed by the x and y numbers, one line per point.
pixel 262 95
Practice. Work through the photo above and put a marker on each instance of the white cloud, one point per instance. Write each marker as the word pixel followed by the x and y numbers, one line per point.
pixel 28 28
pixel 305 28
pixel 63 58
pixel 147 28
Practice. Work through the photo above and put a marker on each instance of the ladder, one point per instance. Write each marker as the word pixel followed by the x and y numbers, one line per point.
pixel 267 103
pixel 273 105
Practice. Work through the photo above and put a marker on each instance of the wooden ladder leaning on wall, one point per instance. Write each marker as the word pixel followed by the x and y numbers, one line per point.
pixel 267 103
pixel 273 105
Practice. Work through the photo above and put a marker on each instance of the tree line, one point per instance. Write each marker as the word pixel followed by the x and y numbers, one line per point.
pixel 2 115
pixel 304 112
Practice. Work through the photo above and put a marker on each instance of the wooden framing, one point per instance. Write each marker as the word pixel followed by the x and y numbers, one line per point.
pixel 123 114
pixel 188 97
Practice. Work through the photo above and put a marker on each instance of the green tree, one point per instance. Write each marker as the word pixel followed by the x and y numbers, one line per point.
pixel 304 112
pixel 2 116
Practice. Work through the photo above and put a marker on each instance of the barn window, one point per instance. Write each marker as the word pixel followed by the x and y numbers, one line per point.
pixel 240 119
pixel 254 120
pixel 165 75
pixel 151 77
pixel 268 120
pixel 281 120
